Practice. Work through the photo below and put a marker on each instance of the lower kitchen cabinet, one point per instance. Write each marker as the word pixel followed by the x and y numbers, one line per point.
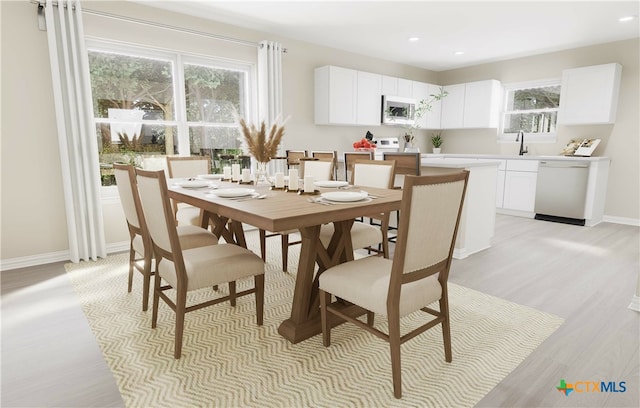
pixel 519 190
pixel 520 185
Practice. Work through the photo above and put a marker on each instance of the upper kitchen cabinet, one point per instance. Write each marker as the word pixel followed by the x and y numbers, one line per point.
pixel 589 95
pixel 389 85
pixel 393 86
pixel 347 97
pixel 472 105
pixel 434 115
pixel 423 91
pixel 368 99
pixel 452 116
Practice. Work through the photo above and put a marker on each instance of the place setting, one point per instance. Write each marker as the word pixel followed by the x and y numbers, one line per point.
pixel 194 184
pixel 237 194
pixel 342 197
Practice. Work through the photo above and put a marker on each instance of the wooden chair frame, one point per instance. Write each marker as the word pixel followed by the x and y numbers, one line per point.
pixel 176 257
pixel 328 155
pixel 399 278
pixel 350 158
pixel 382 217
pixel 138 230
pixel 407 164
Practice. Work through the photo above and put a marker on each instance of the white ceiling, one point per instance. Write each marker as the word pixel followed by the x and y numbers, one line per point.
pixel 485 31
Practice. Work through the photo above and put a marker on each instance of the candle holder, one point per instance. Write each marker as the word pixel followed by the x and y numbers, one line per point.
pixel 315 192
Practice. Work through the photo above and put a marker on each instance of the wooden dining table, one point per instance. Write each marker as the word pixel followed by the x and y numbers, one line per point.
pixel 278 211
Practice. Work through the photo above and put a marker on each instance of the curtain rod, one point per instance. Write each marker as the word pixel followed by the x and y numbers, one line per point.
pixel 159 25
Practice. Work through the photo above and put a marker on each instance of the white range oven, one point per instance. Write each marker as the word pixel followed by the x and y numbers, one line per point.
pixel 386 144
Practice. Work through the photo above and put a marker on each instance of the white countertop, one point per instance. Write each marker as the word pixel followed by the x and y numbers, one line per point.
pixel 455 162
pixel 448 156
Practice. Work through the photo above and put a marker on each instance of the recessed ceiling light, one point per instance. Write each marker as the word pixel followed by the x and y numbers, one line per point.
pixel 414 39
pixel 626 18
pixel 458 53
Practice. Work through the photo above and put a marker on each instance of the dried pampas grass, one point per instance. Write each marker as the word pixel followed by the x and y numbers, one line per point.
pixel 260 145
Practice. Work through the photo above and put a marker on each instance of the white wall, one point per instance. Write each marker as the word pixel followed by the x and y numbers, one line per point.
pixel 32 219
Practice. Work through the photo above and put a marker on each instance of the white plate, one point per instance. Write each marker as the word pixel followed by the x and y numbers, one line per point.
pixel 210 176
pixel 330 183
pixel 344 196
pixel 192 184
pixel 233 192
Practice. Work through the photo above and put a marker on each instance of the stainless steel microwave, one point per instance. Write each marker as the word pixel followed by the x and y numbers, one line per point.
pixel 398 110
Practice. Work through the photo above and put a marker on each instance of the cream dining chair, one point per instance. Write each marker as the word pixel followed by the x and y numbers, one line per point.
pixel 417 276
pixel 320 169
pixel 187 167
pixel 186 270
pixel 140 248
pixel 368 173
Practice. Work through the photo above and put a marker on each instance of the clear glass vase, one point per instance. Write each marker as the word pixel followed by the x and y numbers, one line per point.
pixel 262 173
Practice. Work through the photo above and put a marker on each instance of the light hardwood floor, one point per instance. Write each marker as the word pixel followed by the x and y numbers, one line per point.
pixel 585 275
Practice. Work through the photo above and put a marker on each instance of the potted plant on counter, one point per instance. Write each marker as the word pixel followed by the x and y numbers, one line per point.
pixel 436 140
pixel 423 106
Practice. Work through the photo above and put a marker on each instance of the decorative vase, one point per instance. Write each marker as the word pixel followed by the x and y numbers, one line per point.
pixel 410 148
pixel 436 150
pixel 262 173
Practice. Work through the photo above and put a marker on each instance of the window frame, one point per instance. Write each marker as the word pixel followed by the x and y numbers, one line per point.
pixel 547 137
pixel 178 59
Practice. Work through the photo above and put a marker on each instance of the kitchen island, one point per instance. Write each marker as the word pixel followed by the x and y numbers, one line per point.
pixel 477 222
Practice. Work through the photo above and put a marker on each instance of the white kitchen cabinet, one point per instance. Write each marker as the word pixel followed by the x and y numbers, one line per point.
pixel 452 116
pixel 420 91
pixel 482 100
pixel 472 105
pixel 502 167
pixel 405 88
pixel 589 95
pixel 368 100
pixel 433 116
pixel 347 97
pixel 389 85
pixel 520 185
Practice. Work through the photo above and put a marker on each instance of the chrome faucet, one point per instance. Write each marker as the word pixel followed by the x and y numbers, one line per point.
pixel 523 149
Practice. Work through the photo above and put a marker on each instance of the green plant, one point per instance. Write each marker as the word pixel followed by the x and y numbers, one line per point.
pixel 436 140
pixel 422 107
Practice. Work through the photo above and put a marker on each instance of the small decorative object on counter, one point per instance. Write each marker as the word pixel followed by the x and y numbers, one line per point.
pixel 364 145
pixel 436 140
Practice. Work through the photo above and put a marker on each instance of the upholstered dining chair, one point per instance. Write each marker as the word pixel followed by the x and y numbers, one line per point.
pixel 186 167
pixel 328 155
pixel 293 158
pixel 186 270
pixel 350 158
pixel 407 164
pixel 416 277
pixel 368 173
pixel 140 248
pixel 320 169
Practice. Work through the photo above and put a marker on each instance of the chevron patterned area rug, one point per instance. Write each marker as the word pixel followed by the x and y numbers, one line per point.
pixel 228 361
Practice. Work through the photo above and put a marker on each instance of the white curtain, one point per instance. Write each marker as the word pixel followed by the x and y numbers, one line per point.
pixel 76 130
pixel 269 81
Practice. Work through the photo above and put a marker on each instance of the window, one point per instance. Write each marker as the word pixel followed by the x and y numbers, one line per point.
pixel 149 103
pixel 533 108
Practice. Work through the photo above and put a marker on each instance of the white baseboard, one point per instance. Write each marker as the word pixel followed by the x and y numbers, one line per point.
pixel 34 260
pixel 635 303
pixel 621 220
pixel 51 257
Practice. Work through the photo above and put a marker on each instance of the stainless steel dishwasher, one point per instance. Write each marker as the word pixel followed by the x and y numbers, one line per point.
pixel 561 191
